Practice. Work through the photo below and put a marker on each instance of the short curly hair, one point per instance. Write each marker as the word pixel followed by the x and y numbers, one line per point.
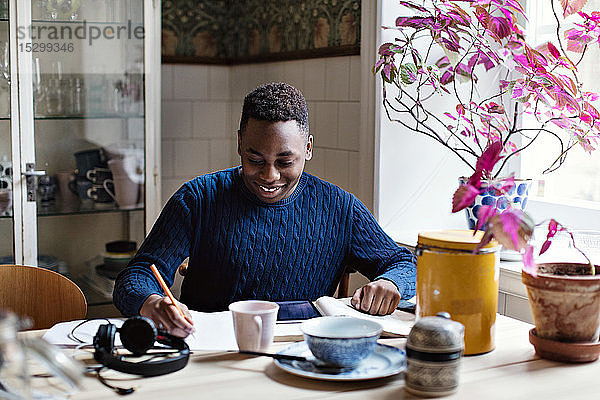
pixel 275 102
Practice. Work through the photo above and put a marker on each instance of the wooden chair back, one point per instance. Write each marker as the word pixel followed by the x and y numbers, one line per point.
pixel 343 286
pixel 44 296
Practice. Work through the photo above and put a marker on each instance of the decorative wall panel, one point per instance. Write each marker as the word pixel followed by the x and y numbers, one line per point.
pixel 237 31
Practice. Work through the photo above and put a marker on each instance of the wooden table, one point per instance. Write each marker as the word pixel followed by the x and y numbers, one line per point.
pixel 511 371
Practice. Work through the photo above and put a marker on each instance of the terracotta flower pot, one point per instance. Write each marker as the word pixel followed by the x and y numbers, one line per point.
pixel 565 301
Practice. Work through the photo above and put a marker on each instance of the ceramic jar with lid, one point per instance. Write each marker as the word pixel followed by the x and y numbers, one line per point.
pixel 434 350
pixel 452 278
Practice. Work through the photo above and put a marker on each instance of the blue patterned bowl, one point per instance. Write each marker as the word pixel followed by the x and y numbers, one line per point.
pixel 341 341
pixel 517 196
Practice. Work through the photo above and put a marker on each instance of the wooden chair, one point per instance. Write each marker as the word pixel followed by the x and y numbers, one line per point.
pixel 342 290
pixel 43 295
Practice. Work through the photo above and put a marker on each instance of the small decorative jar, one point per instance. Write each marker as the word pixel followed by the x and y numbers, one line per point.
pixel 434 349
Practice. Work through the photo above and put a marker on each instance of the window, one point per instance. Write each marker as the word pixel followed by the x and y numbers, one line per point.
pixel 577 181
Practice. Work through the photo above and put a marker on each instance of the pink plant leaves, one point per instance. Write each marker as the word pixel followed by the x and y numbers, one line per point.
pixel 512 229
pixel 463 197
pixel 545 246
pixel 529 265
pixel 387 71
pixel 412 5
pixel 489 157
pixel 484 213
pixel 572 6
pixel 485 239
pixel 510 220
pixel 475 179
pixel 553 228
pixel 414 22
pixel 499 27
pixel 553 50
pixel 494 108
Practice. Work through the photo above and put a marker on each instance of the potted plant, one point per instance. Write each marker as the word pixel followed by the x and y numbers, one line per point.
pixel 564 296
pixel 472 57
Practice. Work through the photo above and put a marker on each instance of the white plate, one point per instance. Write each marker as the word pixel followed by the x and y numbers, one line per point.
pixel 384 361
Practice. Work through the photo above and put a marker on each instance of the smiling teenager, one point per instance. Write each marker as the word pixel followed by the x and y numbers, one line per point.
pixel 264 230
pixel 273 156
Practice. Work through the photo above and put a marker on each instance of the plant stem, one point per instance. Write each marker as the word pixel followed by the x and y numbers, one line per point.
pixel 592 267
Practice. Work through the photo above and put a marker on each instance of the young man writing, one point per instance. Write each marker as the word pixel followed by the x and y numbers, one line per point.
pixel 265 230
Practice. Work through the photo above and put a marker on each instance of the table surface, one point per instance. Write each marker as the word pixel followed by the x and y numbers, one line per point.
pixel 511 371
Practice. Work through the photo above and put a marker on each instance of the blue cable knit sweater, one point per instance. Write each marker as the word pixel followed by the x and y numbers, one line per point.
pixel 241 248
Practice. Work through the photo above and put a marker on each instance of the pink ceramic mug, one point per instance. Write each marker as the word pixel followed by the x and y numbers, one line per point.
pixel 126 192
pixel 66 185
pixel 127 167
pixel 254 323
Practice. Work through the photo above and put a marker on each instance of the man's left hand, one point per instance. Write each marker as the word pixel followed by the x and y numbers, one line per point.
pixel 377 298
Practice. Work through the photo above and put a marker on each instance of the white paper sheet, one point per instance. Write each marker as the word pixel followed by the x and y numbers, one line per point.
pixel 214 332
pixel 59 334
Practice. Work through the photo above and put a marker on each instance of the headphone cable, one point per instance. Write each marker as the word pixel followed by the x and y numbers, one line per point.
pixel 118 390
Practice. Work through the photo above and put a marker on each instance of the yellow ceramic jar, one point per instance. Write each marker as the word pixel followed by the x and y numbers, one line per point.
pixel 451 278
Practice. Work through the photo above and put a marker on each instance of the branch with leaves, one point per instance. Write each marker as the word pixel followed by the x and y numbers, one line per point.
pixel 482 37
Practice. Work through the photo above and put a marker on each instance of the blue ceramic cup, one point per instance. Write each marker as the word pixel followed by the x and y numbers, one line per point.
pixel 341 341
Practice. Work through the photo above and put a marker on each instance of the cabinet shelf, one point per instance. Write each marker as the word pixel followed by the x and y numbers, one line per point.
pixel 81 117
pixel 54 212
pixel 58 209
pixel 81 21
pixel 86 116
pixel 92 296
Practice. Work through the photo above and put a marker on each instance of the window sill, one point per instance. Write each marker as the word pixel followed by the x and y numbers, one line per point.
pixel 570 203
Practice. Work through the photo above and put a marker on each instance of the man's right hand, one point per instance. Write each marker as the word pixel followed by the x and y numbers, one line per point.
pixel 164 313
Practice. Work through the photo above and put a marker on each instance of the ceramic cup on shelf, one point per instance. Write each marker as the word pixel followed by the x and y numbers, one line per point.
pixel 99 193
pixel 5 195
pixel 46 189
pixel 5 201
pixel 81 186
pixel 87 160
pixel 124 191
pixel 98 175
pixel 64 179
pixel 5 183
pixel 254 323
pixel 126 166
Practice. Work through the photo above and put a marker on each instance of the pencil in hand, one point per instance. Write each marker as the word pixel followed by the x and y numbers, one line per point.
pixel 165 289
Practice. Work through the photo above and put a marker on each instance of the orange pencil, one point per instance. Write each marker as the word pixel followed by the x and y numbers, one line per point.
pixel 165 289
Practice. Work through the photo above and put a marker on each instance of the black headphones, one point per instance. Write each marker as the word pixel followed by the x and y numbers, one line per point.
pixel 138 335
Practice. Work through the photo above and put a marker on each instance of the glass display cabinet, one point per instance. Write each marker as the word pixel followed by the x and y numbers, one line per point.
pixel 79 135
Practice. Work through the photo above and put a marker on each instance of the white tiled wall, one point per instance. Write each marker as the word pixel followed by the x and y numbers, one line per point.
pixel 201 108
